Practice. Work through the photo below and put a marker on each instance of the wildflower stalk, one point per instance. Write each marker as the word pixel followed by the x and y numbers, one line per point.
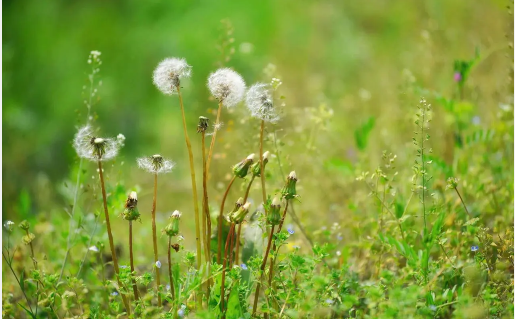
pixel 213 137
pixel 110 235
pixel 222 287
pixel 154 240
pixel 134 286
pixel 220 220
pixel 461 199
pixel 271 272
pixel 263 189
pixel 193 182
pixel 170 274
pixel 262 268
pixel 238 233
pixel 9 263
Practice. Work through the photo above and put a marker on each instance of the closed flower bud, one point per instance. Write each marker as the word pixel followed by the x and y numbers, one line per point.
pixel 274 215
pixel 172 229
pixel 24 225
pixel 239 215
pixel 131 208
pixel 203 124
pixel 256 167
pixel 289 191
pixel 241 169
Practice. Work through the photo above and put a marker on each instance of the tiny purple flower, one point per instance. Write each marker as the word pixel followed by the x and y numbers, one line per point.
pixel 114 293
pixel 340 238
pixel 244 267
pixel 474 248
pixel 457 76
pixel 290 230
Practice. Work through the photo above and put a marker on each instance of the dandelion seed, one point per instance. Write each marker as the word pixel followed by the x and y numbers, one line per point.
pixel 9 225
pixel 243 266
pixel 227 86
pixel 94 248
pixel 260 103
pixel 120 138
pixel 158 264
pixel 474 248
pixel 94 148
pixel 168 73
pixel 155 164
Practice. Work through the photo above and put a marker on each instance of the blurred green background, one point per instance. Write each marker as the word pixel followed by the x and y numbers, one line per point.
pixel 341 63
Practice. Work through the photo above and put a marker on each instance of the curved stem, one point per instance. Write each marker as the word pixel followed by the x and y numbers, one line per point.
pixel 271 272
pixel 238 233
pixel 222 287
pixel 213 138
pixel 170 274
pixel 154 240
pixel 220 220
pixel 131 255
pixel 111 241
pixel 263 188
pixel 193 182
pixel 263 265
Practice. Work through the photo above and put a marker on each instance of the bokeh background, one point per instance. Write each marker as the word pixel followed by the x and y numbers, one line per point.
pixel 343 64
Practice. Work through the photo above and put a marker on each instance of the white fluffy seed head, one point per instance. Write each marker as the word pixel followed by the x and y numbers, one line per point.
pixel 168 73
pixel 260 103
pixel 155 164
pixel 227 86
pixel 94 148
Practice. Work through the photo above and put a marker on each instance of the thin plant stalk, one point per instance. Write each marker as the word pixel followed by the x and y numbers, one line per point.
pixel 213 137
pixel 111 241
pixel 134 286
pixel 271 272
pixel 170 274
pixel 263 189
pixel 193 181
pixel 462 202
pixel 154 240
pixel 206 216
pixel 238 233
pixel 19 284
pixel 263 265
pixel 222 287
pixel 220 220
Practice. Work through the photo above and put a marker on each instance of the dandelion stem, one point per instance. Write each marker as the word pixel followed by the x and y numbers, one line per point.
pixel 134 286
pixel 238 233
pixel 271 272
pixel 110 235
pixel 213 138
pixel 220 220
pixel 154 239
pixel 222 287
pixel 170 274
pixel 193 182
pixel 263 189
pixel 263 265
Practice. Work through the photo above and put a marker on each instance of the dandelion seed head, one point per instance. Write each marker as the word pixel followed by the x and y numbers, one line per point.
pixel 94 148
pixel 227 86
pixel 168 73
pixel 260 103
pixel 155 164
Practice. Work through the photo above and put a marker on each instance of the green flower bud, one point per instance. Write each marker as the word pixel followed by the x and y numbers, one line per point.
pixel 172 229
pixel 131 208
pixel 27 239
pixel 274 215
pixel 241 169
pixel 256 167
pixel 24 225
pixel 203 123
pixel 289 191
pixel 239 215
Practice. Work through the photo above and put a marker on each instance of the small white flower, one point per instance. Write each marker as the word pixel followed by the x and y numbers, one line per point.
pixel 155 164
pixel 158 264
pixel 94 148
pixel 94 248
pixel 9 225
pixel 168 73
pixel 227 86
pixel 260 103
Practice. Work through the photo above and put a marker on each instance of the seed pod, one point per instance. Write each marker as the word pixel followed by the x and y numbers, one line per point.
pixel 274 215
pixel 241 169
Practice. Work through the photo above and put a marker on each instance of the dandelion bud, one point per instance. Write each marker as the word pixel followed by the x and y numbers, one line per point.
pixel 274 215
pixel 168 73
pixel 172 229
pixel 241 169
pixel 131 208
pixel 155 164
pixel 260 102
pixel 227 86
pixel 203 123
pixel 256 167
pixel 239 215
pixel 24 225
pixel 289 191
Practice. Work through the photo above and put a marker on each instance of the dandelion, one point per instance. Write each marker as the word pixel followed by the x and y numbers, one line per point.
pixel 474 248
pixel 158 264
pixel 93 148
pixel 227 86
pixel 168 73
pixel 130 214
pixel 172 229
pixel 155 164
pixel 94 248
pixel 260 103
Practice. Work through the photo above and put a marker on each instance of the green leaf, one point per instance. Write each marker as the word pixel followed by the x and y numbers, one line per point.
pixel 362 133
pixel 437 227
pixel 233 304
pixel 27 310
